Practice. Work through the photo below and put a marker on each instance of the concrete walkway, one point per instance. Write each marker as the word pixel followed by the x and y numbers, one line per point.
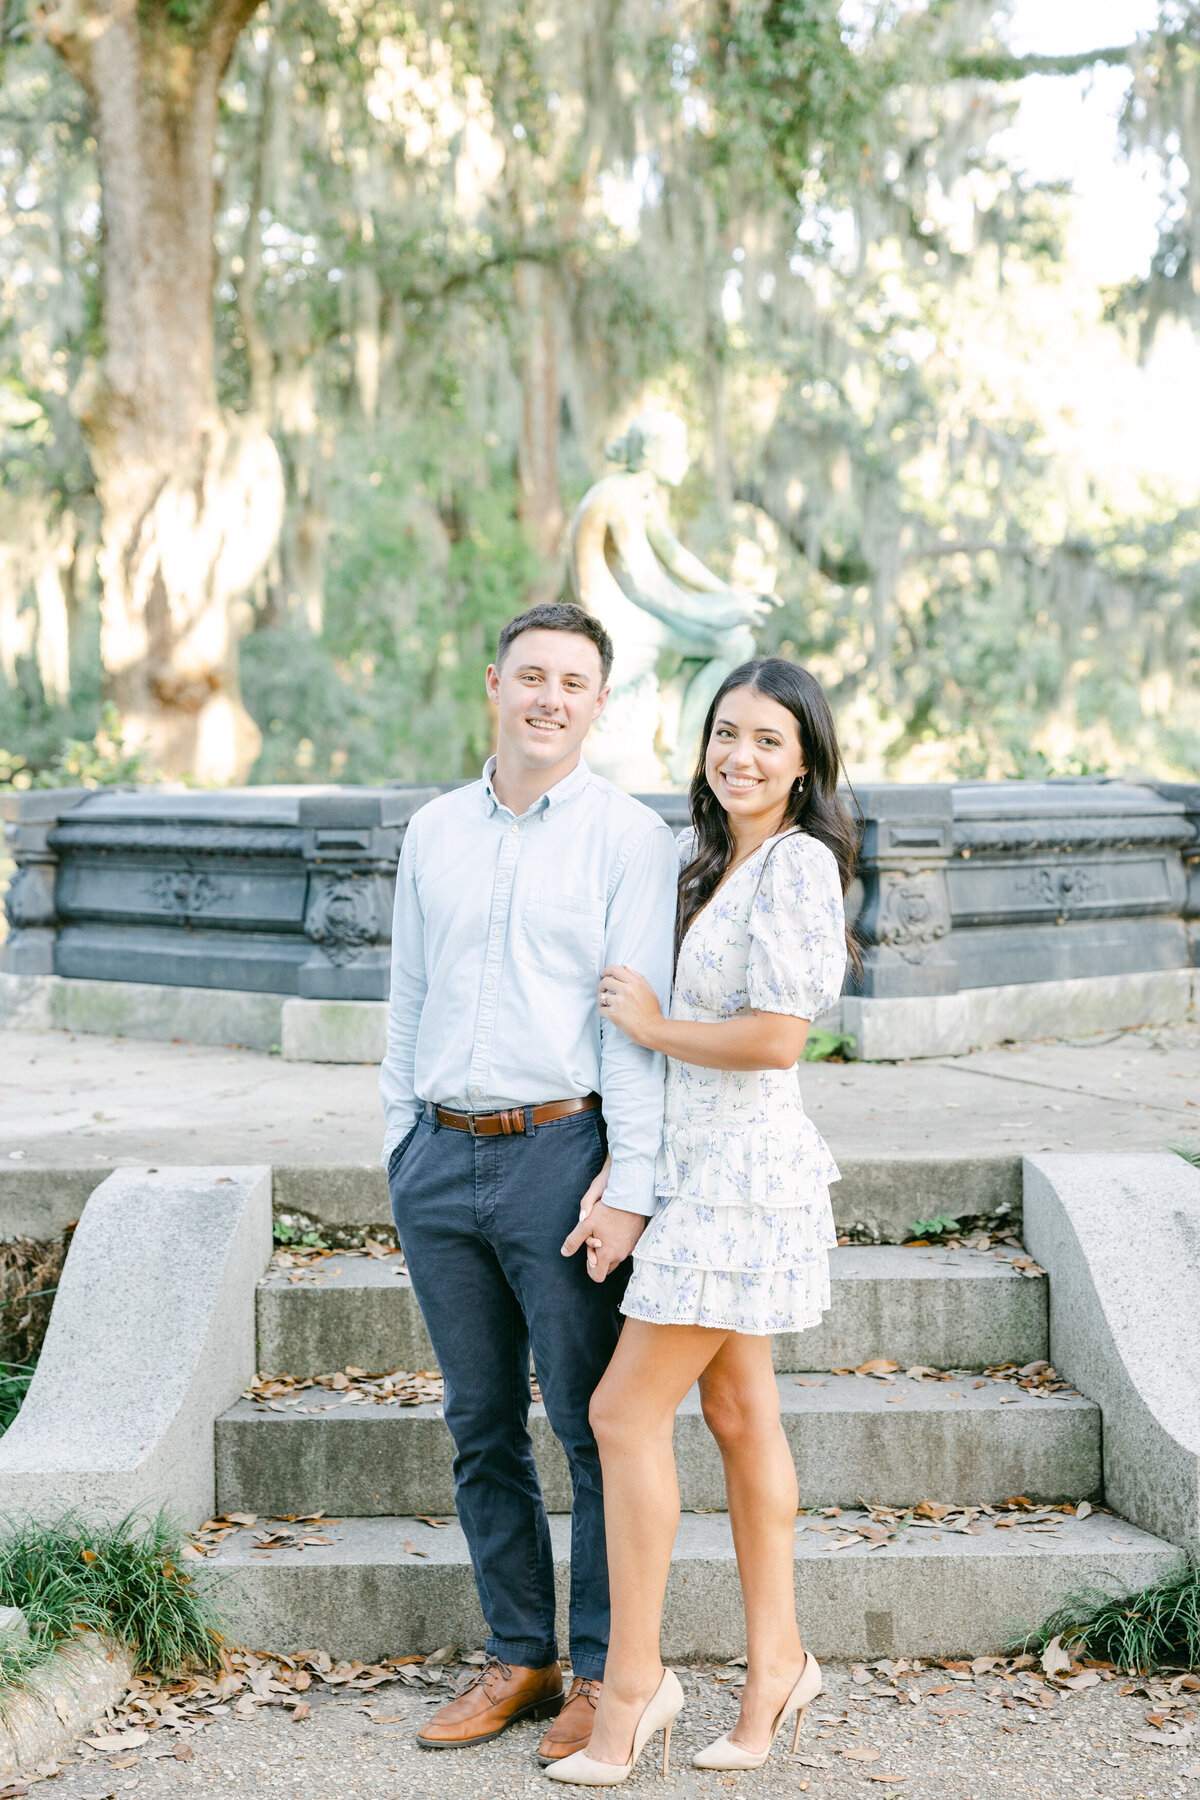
pixel 943 1737
pixel 74 1101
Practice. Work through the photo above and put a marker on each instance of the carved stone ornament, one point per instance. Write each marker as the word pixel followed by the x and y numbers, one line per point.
pixel 30 897
pixel 182 892
pixel 1064 888
pixel 913 913
pixel 341 916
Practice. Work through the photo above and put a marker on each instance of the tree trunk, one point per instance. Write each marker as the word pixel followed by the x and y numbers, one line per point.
pixel 191 500
pixel 537 456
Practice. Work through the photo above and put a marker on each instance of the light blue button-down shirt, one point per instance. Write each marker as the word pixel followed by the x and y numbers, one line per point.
pixel 501 929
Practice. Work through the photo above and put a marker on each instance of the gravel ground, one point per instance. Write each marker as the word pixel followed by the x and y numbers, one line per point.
pixel 983 1737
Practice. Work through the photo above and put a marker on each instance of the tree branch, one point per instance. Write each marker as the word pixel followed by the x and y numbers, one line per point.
pixel 1001 65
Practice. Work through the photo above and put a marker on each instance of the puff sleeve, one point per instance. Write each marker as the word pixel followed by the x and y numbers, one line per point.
pixel 797 960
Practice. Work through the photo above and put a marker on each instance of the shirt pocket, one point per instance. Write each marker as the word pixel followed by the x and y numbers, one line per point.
pixel 562 936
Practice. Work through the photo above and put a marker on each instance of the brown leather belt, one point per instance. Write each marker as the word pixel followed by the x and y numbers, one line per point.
pixel 511 1120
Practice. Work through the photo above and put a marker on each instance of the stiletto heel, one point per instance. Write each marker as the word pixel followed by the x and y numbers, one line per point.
pixel 725 1754
pixel 660 1713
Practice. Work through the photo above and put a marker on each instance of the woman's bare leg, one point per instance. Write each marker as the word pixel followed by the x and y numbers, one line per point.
pixel 740 1398
pixel 633 1417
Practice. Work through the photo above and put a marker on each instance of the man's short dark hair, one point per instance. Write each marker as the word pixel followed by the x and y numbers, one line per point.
pixel 560 615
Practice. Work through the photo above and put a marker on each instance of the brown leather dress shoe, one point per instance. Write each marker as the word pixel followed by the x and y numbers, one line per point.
pixel 495 1698
pixel 572 1729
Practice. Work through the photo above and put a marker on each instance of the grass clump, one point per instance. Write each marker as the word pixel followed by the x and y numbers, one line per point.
pixel 126 1582
pixel 1139 1632
pixel 14 1385
pixel 827 1046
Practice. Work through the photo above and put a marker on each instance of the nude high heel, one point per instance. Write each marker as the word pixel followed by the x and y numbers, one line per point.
pixel 725 1754
pixel 660 1714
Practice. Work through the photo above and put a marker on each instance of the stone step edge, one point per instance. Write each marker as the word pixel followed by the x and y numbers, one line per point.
pixel 399 1586
pixel 882 1196
pixel 796 1396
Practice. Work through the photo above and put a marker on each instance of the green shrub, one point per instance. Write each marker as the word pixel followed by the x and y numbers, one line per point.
pixel 1160 1626
pixel 126 1582
pixel 942 1226
pixel 106 761
pixel 14 1385
pixel 827 1046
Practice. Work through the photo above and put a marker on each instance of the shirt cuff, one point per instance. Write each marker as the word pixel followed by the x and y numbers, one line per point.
pixel 631 1186
pixel 397 1129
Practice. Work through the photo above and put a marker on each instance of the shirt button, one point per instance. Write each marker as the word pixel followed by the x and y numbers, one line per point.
pixel 513 829
pixel 476 1092
pixel 489 985
pixel 504 877
pixel 497 931
pixel 483 1037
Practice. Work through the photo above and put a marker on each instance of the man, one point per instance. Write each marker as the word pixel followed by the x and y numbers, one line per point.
pixel 501 1093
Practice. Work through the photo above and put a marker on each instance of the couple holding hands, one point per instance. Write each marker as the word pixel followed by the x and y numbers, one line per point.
pixel 582 1007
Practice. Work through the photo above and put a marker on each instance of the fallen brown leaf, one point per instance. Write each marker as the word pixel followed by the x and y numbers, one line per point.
pixel 119 1740
pixel 302 1710
pixel 412 1550
pixel 859 1753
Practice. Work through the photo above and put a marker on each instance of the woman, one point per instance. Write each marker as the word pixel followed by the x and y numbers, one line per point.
pixel 738 1248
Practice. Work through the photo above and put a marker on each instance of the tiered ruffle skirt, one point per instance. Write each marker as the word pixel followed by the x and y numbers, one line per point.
pixel 742 1235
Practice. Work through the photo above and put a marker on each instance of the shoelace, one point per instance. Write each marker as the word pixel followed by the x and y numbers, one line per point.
pixel 481 1675
pixel 587 1690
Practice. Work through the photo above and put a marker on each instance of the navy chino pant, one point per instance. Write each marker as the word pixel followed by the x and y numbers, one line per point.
pixel 481 1221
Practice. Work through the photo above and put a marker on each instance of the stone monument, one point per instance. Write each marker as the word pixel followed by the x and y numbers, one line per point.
pixel 678 629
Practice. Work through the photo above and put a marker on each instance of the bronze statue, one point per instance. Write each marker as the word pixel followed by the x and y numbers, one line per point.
pixel 656 599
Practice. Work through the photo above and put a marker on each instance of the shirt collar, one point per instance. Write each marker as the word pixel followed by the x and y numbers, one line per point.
pixel 562 791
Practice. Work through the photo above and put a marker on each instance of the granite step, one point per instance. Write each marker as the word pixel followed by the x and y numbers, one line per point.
pixel 948 1309
pixel 395 1586
pixel 877 1200
pixel 854 1440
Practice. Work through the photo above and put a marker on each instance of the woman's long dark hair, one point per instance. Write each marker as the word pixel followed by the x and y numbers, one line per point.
pixel 813 806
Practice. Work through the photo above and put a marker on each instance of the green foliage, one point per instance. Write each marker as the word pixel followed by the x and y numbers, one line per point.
pixel 941 1226
pixel 124 1581
pixel 419 584
pixel 14 1385
pixel 827 1046
pixel 1140 1632
pixel 794 222
pixel 1189 1152
pixel 295 1230
pixel 106 760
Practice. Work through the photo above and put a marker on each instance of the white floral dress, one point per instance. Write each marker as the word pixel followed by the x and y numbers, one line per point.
pixel 744 1225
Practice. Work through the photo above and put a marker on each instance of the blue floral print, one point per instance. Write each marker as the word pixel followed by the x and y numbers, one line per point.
pixel 744 1227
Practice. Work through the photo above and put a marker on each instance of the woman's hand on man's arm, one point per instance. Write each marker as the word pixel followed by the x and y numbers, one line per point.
pixel 754 1040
